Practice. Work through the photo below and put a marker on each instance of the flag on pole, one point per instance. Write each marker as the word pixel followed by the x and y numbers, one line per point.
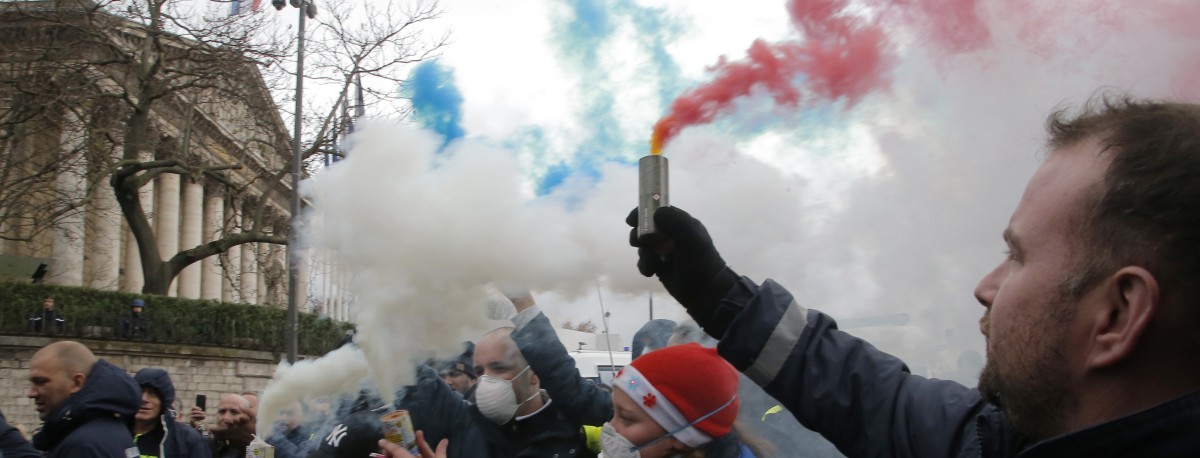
pixel 237 7
pixel 351 113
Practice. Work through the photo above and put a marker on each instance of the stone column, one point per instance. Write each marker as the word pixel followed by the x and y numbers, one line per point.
pixel 263 258
pixel 105 251
pixel 337 293
pixel 248 286
pixel 70 188
pixel 214 220
pixel 327 287
pixel 190 230
pixel 281 292
pixel 339 279
pixel 167 216
pixel 133 277
pixel 231 281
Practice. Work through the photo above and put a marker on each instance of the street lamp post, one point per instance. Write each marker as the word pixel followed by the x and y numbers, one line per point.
pixel 306 9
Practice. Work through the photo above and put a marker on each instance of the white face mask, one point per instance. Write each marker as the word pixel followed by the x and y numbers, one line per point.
pixel 615 445
pixel 496 399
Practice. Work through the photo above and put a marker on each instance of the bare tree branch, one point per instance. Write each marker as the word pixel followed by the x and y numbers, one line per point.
pixel 134 78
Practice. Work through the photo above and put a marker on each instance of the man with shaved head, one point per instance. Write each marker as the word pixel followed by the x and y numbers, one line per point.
pixel 235 426
pixel 529 399
pixel 252 398
pixel 86 403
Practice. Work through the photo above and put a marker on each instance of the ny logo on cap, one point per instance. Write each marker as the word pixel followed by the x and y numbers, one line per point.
pixel 335 437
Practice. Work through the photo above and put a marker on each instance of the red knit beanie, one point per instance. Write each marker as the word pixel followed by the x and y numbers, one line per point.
pixel 678 385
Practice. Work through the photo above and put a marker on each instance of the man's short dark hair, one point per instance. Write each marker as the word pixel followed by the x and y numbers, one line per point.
pixel 1147 212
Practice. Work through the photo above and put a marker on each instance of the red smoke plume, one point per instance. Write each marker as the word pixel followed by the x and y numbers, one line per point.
pixel 841 57
pixel 844 54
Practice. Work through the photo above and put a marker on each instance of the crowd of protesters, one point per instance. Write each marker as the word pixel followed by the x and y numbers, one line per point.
pixel 516 392
pixel 1091 327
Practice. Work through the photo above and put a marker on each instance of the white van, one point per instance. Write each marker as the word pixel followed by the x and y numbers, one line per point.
pixel 600 366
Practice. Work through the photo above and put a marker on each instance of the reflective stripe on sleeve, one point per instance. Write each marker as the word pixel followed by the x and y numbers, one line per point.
pixel 779 346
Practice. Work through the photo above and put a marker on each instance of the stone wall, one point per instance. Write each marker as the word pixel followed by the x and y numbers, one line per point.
pixel 211 371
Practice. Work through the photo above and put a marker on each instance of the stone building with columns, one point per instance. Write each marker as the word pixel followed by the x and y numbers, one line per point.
pixel 220 150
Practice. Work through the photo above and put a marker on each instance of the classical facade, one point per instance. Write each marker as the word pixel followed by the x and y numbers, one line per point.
pixel 68 95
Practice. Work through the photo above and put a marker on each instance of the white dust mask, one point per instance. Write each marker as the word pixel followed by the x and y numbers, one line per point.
pixel 615 445
pixel 496 399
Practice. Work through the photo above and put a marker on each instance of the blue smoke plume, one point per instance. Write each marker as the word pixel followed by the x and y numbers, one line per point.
pixel 436 102
pixel 580 36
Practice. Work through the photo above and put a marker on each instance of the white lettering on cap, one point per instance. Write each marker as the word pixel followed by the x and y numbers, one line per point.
pixel 335 437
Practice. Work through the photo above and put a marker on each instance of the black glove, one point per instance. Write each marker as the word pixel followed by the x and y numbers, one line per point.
pixel 686 262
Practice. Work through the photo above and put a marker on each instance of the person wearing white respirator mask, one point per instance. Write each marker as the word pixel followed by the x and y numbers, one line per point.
pixel 514 409
pixel 506 387
pixel 676 401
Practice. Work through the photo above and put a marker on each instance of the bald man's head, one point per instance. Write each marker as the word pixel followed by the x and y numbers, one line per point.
pixel 233 410
pixel 498 356
pixel 234 422
pixel 56 372
pixel 74 356
pixel 252 399
pixel 499 342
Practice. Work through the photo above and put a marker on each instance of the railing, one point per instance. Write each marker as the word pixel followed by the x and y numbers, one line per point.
pixel 96 314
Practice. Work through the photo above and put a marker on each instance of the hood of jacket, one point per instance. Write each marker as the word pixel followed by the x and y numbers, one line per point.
pixel 107 392
pixel 158 379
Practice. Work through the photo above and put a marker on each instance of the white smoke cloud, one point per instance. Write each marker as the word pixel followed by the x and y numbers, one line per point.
pixel 901 214
pixel 426 234
pixel 339 371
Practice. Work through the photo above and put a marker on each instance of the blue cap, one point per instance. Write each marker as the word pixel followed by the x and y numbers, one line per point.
pixel 138 303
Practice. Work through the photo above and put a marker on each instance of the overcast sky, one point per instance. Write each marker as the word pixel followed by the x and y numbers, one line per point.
pixel 881 189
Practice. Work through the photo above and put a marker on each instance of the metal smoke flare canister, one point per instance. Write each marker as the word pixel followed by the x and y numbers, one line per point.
pixel 652 194
pixel 398 428
pixel 260 449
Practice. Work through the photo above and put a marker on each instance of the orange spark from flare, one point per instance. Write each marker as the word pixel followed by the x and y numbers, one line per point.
pixel 663 129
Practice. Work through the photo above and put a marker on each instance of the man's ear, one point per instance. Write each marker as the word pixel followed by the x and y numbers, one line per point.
pixel 1130 299
pixel 533 379
pixel 77 381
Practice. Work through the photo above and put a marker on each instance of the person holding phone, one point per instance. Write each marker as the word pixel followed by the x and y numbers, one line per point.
pixel 155 430
pixel 196 415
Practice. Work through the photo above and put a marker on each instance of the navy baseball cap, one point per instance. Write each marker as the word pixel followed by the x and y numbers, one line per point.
pixel 356 436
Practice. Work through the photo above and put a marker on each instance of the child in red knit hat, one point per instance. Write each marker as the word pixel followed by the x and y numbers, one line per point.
pixel 673 401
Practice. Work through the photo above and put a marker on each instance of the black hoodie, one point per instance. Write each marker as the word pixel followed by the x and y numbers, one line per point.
pixel 94 421
pixel 170 439
pixel 12 444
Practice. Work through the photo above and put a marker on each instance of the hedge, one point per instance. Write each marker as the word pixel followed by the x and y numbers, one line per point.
pixel 97 314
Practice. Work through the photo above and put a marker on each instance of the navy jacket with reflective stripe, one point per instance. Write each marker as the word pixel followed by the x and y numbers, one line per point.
pixel 867 403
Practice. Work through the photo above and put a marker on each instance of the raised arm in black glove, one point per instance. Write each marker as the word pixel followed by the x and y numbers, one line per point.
pixel 686 263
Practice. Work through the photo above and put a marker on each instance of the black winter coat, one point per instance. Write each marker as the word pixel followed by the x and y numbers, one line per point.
pixel 875 407
pixel 13 444
pixel 177 439
pixel 94 422
pixel 47 322
pixel 555 431
pixel 581 401
pixel 135 327
pixel 441 412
